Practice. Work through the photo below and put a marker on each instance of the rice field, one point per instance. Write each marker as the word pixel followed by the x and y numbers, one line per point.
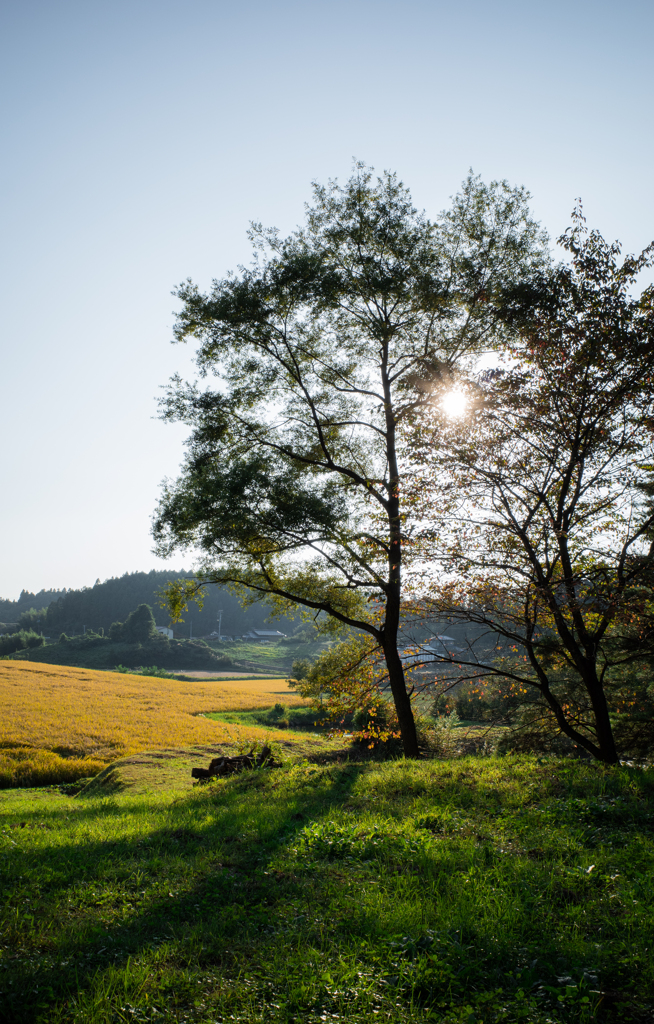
pixel 59 724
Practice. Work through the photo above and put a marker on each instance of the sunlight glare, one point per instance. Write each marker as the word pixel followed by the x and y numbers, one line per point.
pixel 454 404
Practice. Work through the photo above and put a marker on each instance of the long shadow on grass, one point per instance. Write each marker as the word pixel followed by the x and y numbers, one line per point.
pixel 229 838
pixel 230 885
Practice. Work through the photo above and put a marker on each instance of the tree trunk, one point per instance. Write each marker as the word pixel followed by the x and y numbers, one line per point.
pixel 394 588
pixel 604 749
pixel 401 699
pixel 605 741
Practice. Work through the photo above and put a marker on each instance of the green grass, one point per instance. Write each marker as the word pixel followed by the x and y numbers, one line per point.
pixel 300 719
pixel 154 771
pixel 97 652
pixel 473 890
pixel 271 657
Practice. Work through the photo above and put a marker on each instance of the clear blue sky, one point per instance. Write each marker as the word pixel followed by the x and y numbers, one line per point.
pixel 141 137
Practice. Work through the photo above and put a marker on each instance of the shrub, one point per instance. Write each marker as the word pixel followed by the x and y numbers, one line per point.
pixel 32 617
pixel 474 703
pixel 535 731
pixel 21 641
pixel 441 738
pixel 278 715
pixel 160 673
pixel 381 716
pixel 300 668
pixel 94 651
pixel 630 694
pixel 34 640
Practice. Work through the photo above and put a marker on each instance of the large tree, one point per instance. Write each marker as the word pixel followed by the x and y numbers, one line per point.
pixel 541 529
pixel 292 486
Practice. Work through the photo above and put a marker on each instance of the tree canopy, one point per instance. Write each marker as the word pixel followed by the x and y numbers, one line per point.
pixel 540 526
pixel 323 349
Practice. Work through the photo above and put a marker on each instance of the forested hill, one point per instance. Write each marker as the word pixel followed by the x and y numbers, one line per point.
pixel 99 606
pixel 11 610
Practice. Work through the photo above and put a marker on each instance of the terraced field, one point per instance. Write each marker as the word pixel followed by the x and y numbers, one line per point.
pixel 59 724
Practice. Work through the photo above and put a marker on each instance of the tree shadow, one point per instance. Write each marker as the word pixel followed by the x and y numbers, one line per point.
pixel 215 824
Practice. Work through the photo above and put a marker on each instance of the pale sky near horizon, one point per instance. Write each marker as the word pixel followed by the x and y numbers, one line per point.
pixel 141 138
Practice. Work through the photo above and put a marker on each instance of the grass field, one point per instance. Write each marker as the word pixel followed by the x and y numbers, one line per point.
pixel 270 657
pixel 474 891
pixel 58 724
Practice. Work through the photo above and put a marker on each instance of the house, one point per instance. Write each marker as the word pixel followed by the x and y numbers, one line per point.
pixel 439 648
pixel 165 631
pixel 264 634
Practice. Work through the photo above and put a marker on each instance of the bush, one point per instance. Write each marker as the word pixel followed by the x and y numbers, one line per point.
pixel 306 633
pixel 21 641
pixel 535 730
pixel 278 715
pixel 472 703
pixel 630 693
pixel 93 651
pixel 631 700
pixel 160 673
pixel 33 617
pixel 439 736
pixel 300 668
pixel 381 716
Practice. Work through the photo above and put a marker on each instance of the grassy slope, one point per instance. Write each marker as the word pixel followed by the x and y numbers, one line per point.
pixel 272 657
pixel 152 771
pixel 177 655
pixel 462 891
pixel 102 653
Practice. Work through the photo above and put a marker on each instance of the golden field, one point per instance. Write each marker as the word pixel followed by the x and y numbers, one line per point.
pixel 58 724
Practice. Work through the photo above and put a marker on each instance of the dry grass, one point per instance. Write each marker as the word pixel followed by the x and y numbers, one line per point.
pixel 59 724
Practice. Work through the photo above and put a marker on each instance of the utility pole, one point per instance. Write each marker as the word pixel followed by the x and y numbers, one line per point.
pixel 191 636
pixel 220 619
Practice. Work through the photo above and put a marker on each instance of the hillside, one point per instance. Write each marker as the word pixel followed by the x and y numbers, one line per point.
pixel 97 607
pixel 10 611
pixel 92 651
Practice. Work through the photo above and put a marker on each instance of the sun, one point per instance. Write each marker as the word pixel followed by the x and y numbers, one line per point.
pixel 454 404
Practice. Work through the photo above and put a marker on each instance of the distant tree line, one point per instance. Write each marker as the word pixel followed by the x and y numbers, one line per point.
pixel 131 644
pixel 68 611
pixel 10 611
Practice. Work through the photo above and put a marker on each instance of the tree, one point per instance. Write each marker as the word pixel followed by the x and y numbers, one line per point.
pixel 292 486
pixel 138 627
pixel 32 619
pixel 545 537
pixel 24 639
